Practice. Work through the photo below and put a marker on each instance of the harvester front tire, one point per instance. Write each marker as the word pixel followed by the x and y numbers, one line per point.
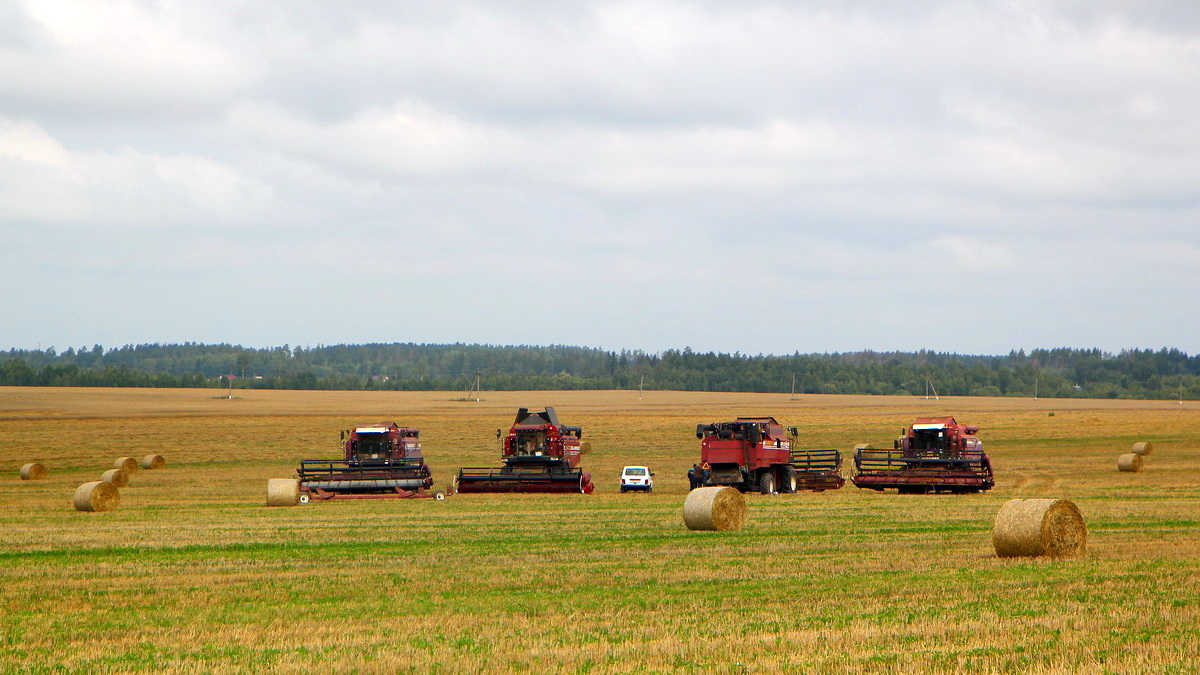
pixel 766 483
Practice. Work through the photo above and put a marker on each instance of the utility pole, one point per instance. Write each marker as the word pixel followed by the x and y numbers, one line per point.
pixel 474 388
pixel 641 385
pixel 793 398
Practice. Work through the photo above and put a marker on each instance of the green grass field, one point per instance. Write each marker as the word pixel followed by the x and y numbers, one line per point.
pixel 194 573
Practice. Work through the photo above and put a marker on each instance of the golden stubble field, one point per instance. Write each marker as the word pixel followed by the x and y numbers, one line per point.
pixel 194 573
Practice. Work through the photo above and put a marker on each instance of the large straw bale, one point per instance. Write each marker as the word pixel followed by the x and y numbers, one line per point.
pixel 283 492
pixel 1142 448
pixel 1130 462
pixel 153 462
pixel 585 447
pixel 1036 527
pixel 118 477
pixel 97 495
pixel 33 471
pixel 714 508
pixel 129 464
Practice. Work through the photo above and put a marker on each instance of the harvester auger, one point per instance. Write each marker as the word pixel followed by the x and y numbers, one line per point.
pixel 935 454
pixel 756 453
pixel 382 461
pixel 539 455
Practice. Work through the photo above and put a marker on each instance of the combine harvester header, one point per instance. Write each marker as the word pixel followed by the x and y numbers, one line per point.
pixel 381 461
pixel 935 454
pixel 539 453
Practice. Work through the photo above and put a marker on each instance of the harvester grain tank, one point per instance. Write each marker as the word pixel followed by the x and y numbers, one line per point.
pixel 756 453
pixel 381 461
pixel 539 453
pixel 935 454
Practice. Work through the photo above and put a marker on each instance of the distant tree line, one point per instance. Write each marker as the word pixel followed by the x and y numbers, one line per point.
pixel 1057 373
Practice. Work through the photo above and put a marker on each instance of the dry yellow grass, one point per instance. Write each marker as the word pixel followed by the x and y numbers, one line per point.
pixel 843 581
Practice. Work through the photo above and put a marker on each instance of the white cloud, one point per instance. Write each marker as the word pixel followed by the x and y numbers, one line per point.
pixel 43 182
pixel 635 164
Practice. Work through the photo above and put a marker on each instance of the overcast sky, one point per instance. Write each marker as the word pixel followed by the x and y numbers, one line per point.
pixel 763 177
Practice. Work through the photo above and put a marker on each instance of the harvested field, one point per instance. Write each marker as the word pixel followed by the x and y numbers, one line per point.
pixel 195 573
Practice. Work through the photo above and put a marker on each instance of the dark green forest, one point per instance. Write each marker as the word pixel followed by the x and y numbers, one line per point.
pixel 1049 373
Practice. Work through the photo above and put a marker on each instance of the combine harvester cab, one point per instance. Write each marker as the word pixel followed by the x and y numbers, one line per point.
pixel 381 461
pixel 936 454
pixel 539 454
pixel 755 453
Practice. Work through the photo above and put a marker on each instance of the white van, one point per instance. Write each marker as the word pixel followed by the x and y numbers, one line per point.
pixel 637 478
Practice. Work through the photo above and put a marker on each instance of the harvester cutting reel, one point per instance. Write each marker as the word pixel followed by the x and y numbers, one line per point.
pixel 308 494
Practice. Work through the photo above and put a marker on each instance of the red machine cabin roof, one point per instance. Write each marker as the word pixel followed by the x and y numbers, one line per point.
pixel 929 422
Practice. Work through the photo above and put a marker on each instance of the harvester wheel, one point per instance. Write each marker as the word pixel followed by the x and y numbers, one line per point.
pixel 439 495
pixel 766 483
pixel 304 498
pixel 789 480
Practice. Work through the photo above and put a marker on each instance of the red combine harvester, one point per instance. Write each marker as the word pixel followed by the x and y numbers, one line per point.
pixel 755 453
pixel 382 461
pixel 936 454
pixel 539 455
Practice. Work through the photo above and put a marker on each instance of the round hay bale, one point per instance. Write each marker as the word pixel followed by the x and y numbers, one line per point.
pixel 129 464
pixel 118 477
pixel 33 471
pixel 153 462
pixel 97 495
pixel 1036 527
pixel 585 447
pixel 1130 462
pixel 864 446
pixel 283 492
pixel 714 508
pixel 1142 448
